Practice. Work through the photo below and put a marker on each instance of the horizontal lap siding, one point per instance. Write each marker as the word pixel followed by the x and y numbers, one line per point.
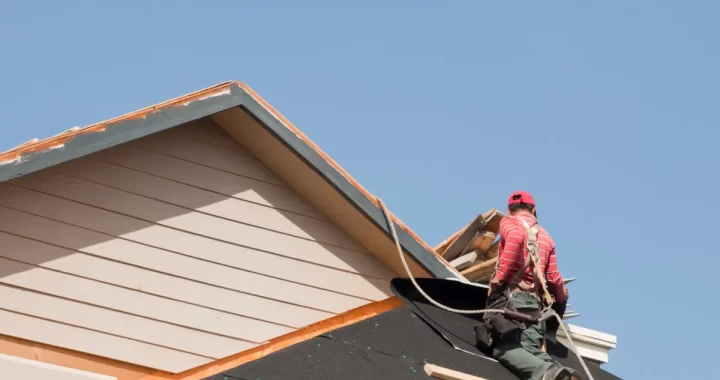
pixel 15 368
pixel 170 252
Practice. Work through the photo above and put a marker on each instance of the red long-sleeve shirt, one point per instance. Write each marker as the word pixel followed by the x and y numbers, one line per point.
pixel 512 252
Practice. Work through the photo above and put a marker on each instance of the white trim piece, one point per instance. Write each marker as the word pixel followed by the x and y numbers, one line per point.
pixel 591 344
pixel 587 351
pixel 16 368
pixel 611 340
pixel 464 261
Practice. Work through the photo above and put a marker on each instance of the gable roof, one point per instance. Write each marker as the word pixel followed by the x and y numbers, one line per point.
pixel 39 154
pixel 397 343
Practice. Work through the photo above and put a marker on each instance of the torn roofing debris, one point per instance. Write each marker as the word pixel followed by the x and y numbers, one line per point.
pixel 77 142
pixel 398 343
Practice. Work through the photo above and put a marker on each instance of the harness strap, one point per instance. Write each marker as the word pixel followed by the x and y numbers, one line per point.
pixel 531 242
pixel 532 259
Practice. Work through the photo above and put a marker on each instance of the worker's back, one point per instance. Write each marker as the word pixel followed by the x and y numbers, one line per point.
pixel 513 250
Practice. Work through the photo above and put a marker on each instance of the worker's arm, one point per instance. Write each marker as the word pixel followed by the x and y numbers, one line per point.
pixel 554 279
pixel 510 251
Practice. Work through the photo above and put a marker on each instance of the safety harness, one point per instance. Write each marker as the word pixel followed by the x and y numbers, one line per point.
pixel 512 321
pixel 532 258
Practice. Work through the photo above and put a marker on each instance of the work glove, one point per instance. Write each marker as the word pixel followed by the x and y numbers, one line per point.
pixel 552 325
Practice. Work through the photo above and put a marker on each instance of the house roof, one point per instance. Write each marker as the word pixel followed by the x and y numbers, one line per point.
pixel 77 142
pixel 397 343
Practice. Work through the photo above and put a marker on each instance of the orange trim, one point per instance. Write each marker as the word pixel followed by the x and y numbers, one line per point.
pixel 341 320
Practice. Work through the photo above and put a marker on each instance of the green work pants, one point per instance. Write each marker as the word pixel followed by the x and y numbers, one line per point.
pixel 525 357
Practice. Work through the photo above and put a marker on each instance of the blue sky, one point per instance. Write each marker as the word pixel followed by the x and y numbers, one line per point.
pixel 607 112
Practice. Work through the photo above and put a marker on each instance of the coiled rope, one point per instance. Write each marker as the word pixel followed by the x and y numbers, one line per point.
pixel 547 310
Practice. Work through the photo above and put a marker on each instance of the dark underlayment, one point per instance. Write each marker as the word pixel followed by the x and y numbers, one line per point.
pixel 397 343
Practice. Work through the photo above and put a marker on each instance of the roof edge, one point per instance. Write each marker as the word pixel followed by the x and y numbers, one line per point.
pixel 37 155
pixel 334 174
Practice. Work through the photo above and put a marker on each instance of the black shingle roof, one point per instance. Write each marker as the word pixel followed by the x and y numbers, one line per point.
pixel 397 344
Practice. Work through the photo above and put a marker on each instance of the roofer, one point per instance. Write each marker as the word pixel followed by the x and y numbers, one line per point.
pixel 518 344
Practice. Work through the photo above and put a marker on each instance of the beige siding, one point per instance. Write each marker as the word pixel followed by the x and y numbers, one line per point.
pixel 170 252
pixel 14 368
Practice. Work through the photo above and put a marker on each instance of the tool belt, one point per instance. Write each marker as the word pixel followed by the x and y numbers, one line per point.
pixel 508 325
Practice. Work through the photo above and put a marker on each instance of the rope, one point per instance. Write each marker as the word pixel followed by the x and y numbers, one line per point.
pixel 467 312
pixel 409 273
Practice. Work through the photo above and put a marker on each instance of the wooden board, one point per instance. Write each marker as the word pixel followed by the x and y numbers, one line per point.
pixel 448 374
pixel 493 251
pixel 480 272
pixel 458 246
pixel 483 241
pixel 465 260
pixel 493 221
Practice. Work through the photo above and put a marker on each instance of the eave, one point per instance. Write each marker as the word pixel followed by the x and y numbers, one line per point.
pixel 591 344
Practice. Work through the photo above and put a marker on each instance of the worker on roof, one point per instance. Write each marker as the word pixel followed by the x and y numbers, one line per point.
pixel 519 345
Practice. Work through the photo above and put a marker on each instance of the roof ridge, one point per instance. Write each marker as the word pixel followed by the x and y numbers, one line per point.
pixel 59 139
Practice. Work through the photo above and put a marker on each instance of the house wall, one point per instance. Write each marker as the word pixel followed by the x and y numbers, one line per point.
pixel 314 187
pixel 170 252
pixel 15 368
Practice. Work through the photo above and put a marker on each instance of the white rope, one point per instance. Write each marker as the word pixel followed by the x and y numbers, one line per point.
pixel 477 311
pixel 412 278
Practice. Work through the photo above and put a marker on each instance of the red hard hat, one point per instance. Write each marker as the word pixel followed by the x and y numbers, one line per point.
pixel 521 197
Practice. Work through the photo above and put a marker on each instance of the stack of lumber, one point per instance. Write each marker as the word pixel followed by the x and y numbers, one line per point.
pixel 473 250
